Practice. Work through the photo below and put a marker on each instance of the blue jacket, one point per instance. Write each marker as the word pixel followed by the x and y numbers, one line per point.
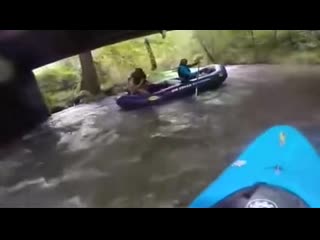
pixel 184 73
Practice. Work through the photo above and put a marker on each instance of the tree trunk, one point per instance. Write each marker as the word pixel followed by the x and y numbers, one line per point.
pixel 255 49
pixel 89 80
pixel 151 54
pixel 206 50
pixel 275 36
pixel 163 34
pixel 252 37
pixel 290 37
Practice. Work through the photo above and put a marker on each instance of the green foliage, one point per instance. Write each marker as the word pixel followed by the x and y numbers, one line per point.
pixel 117 61
pixel 58 84
pixel 114 63
pixel 260 46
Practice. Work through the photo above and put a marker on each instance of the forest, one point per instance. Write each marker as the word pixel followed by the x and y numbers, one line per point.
pixel 93 75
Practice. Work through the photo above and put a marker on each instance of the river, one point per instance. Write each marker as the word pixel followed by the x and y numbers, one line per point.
pixel 98 156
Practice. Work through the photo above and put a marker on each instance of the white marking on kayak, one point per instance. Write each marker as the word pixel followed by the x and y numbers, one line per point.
pixel 153 98
pixel 239 163
pixel 261 203
pixel 282 138
pixel 278 170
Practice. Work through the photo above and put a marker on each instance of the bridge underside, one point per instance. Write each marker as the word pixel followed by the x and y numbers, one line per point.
pixel 21 51
pixel 35 48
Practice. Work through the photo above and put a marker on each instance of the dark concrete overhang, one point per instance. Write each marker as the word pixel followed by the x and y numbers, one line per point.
pixel 35 48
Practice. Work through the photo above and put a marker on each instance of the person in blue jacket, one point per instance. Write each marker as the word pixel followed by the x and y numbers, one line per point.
pixel 184 71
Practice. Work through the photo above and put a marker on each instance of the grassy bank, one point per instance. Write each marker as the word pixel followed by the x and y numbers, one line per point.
pixel 60 81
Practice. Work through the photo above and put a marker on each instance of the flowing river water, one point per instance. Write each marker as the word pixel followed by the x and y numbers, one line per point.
pixel 98 156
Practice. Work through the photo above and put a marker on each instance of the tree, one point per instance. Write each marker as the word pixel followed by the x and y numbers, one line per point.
pixel 275 36
pixel 89 78
pixel 251 32
pixel 163 34
pixel 151 54
pixel 206 50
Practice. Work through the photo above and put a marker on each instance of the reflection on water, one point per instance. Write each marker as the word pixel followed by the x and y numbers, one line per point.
pixel 99 156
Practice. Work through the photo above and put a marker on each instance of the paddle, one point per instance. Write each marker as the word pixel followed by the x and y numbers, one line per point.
pixel 196 93
pixel 199 59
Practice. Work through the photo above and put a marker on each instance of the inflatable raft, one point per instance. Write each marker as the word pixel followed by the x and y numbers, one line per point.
pixel 280 169
pixel 210 78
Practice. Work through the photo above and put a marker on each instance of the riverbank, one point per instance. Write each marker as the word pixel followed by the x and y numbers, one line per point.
pixel 61 89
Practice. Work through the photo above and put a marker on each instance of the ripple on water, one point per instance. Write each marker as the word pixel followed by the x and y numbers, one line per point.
pixel 86 137
pixel 27 183
pixel 169 130
pixel 214 102
pixel 171 176
pixel 70 175
pixel 10 165
pixel 226 99
pixel 74 202
pixel 135 159
pixel 77 175
pixel 167 204
pixel 148 200
pixel 175 122
pixel 119 202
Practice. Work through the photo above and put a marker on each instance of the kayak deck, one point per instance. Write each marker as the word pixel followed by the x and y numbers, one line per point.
pixel 281 157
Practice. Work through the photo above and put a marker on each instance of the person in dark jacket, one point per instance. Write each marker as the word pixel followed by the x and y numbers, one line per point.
pixel 137 82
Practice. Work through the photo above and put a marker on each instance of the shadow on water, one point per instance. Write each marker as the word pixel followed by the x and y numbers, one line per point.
pixel 98 156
